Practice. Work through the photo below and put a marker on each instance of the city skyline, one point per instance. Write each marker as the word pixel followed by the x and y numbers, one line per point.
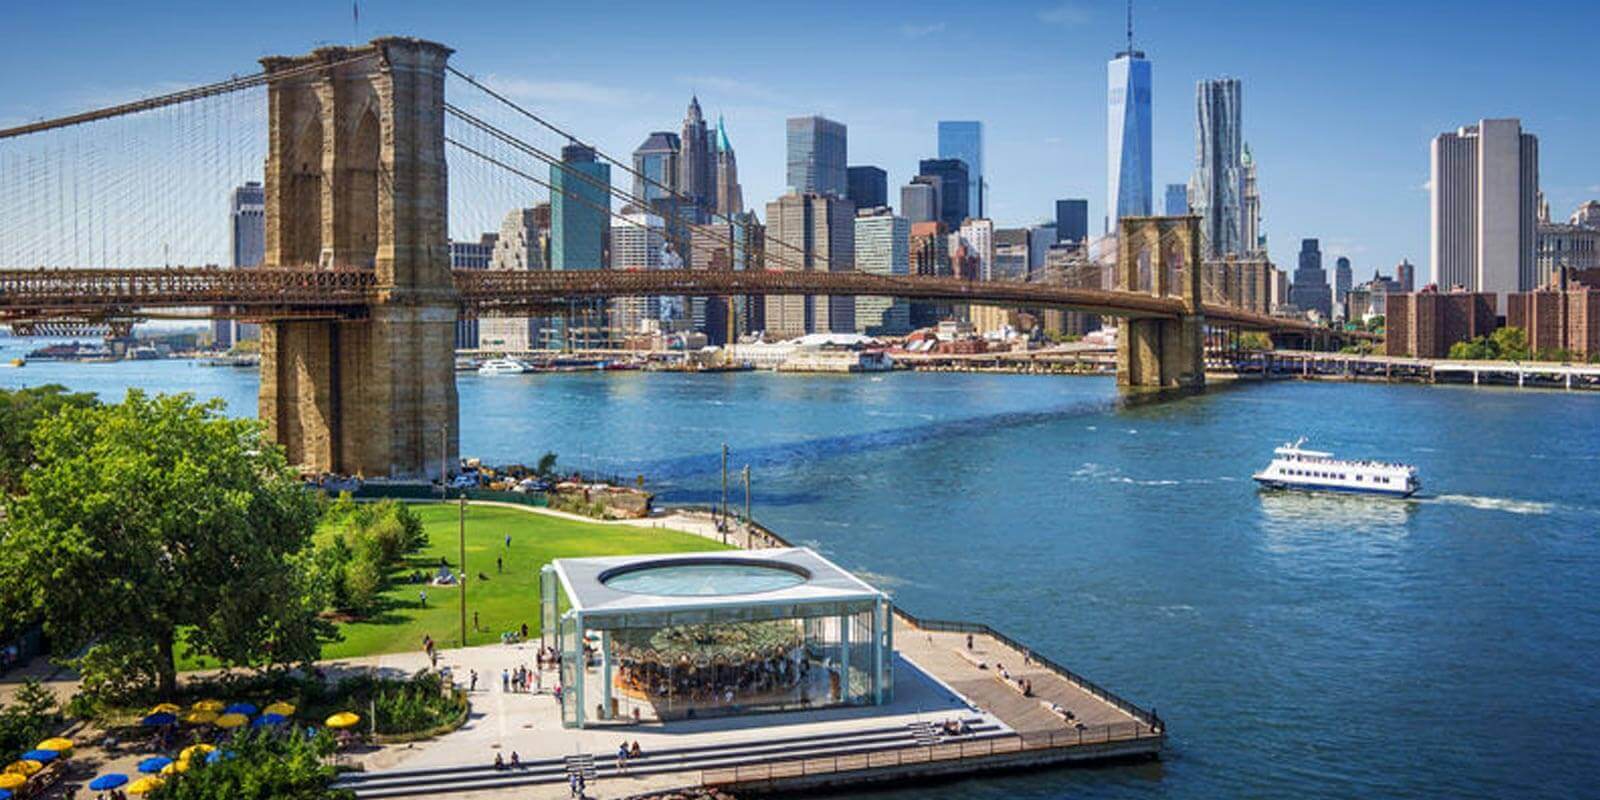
pixel 1340 162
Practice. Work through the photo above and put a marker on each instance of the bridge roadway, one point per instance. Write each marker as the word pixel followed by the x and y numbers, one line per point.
pixel 39 295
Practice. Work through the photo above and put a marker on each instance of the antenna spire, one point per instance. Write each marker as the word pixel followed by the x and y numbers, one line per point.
pixel 1130 26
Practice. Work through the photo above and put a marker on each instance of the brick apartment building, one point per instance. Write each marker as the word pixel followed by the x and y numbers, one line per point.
pixel 1424 324
pixel 1562 315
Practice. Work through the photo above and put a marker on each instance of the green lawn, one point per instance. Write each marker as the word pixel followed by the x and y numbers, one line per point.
pixel 508 597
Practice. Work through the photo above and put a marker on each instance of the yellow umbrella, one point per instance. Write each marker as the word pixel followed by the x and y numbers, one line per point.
pixel 343 719
pixel 280 707
pixel 195 750
pixel 26 767
pixel 165 708
pixel 176 767
pixel 146 785
pixel 232 720
pixel 58 744
pixel 209 705
pixel 11 780
pixel 200 717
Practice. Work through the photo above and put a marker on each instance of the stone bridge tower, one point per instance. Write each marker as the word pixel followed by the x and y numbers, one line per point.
pixel 355 177
pixel 1161 256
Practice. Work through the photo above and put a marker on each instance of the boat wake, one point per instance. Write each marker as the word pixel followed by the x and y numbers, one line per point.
pixel 1492 503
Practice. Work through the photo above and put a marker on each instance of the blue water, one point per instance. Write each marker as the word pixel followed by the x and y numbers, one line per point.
pixel 1298 646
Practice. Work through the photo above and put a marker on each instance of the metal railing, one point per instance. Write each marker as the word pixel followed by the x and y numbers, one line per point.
pixel 1148 718
pixel 1097 735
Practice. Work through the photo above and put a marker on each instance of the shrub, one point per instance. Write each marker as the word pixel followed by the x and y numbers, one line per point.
pixel 28 719
pixel 262 765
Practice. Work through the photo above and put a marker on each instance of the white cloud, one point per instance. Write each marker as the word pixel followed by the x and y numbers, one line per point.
pixel 911 31
pixel 1592 188
pixel 582 92
pixel 1068 13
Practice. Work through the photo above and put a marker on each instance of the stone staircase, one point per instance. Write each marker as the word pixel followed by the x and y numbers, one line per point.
pixel 450 781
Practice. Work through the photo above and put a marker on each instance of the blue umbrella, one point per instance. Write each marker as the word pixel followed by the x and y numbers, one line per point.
pixel 109 781
pixel 41 756
pixel 159 719
pixel 241 708
pixel 269 719
pixel 5 794
pixel 154 764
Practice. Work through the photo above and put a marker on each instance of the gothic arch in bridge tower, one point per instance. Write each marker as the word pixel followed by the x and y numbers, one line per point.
pixel 355 177
pixel 1156 256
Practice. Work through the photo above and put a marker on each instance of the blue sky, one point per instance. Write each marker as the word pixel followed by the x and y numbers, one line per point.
pixel 1340 98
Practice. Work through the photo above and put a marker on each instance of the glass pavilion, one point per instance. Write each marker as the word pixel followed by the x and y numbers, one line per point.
pixel 706 634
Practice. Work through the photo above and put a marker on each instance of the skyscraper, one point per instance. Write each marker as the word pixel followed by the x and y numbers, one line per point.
pixel 1341 281
pixel 520 245
pixel 919 199
pixel 471 255
pixel 1405 274
pixel 580 200
pixel 1127 134
pixel 1484 201
pixel 730 197
pixel 1219 167
pixel 1250 226
pixel 638 242
pixel 868 187
pixel 952 175
pixel 696 167
pixel 1072 220
pixel 811 232
pixel 882 242
pixel 247 243
pixel 1310 290
pixel 1177 203
pixel 656 162
pixel 964 140
pixel 817 155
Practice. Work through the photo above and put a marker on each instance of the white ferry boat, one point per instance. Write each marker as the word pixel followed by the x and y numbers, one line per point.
pixel 1311 470
pixel 503 366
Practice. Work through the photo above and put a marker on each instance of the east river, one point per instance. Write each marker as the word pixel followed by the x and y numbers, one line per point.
pixel 1297 646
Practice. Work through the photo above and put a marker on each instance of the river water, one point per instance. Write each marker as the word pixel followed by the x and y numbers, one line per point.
pixel 1297 646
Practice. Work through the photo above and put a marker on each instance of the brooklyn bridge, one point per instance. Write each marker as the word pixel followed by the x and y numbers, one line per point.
pixel 364 155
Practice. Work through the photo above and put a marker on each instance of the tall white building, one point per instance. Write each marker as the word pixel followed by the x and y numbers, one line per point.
pixel 1219 167
pixel 1128 191
pixel 883 247
pixel 520 245
pixel 1250 229
pixel 1484 201
pixel 978 236
pixel 638 242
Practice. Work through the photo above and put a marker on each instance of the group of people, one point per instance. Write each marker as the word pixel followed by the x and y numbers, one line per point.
pixel 521 679
pixel 627 753
pixel 1023 685
pixel 500 762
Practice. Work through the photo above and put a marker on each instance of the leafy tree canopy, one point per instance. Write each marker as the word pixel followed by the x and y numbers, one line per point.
pixel 21 410
pixel 154 516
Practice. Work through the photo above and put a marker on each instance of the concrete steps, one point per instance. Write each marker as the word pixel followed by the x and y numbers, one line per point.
pixel 452 780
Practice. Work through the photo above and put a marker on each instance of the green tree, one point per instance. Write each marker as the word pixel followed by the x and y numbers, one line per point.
pixel 1510 343
pixel 20 412
pixel 1255 340
pixel 156 517
pixel 546 466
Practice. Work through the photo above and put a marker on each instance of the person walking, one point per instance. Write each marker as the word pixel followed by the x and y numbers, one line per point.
pixel 508 541
pixel 472 686
pixel 499 564
pixel 572 784
pixel 505 680
pixel 422 596
pixel 474 621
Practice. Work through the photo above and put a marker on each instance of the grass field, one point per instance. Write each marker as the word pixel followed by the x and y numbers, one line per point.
pixel 509 594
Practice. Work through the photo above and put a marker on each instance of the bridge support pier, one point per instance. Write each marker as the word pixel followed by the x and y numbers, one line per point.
pixel 1161 256
pixel 355 177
